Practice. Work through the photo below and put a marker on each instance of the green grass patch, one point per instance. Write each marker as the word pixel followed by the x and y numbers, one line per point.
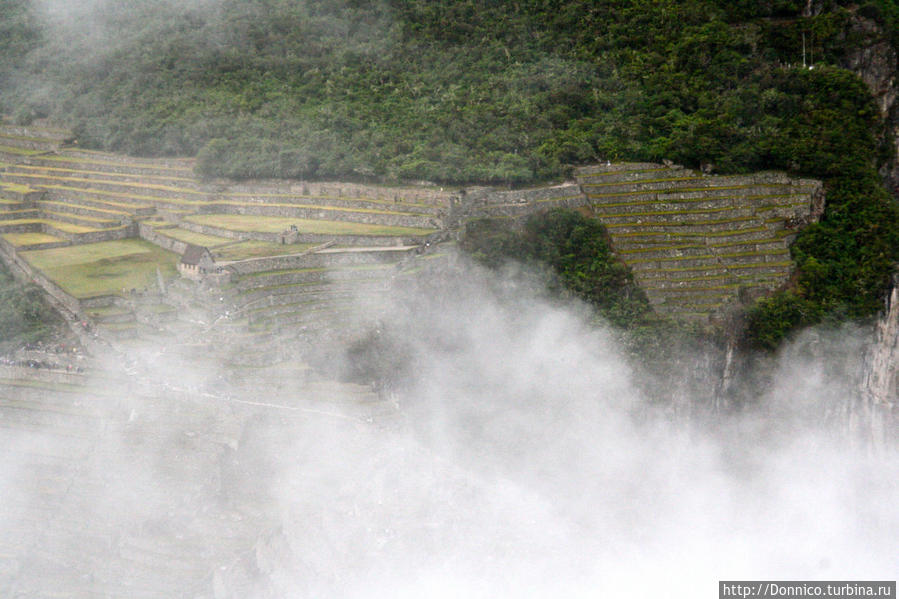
pixel 641 181
pixel 72 228
pixel 272 288
pixel 67 227
pixel 685 246
pixel 660 289
pixel 158 309
pixel 92 219
pixel 708 234
pixel 258 249
pixel 192 237
pixel 400 201
pixel 18 151
pixel 24 138
pixel 75 171
pixel 64 387
pixel 670 259
pixel 115 194
pixel 19 239
pixel 776 196
pixel 286 271
pixel 112 213
pixel 153 186
pixel 108 311
pixel 322 207
pixel 621 172
pixel 673 212
pixel 688 190
pixel 114 163
pixel 277 224
pixel 104 268
pixel 724 267
pixel 17 187
pixel 559 199
pixel 697 223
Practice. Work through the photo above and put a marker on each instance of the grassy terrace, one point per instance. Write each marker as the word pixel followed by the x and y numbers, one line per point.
pixel 23 137
pixel 152 186
pixel 17 151
pixel 325 197
pixel 35 384
pixel 292 271
pixel 19 239
pixel 194 203
pixel 92 219
pixel 67 227
pixel 704 234
pixel 16 187
pixel 783 252
pixel 321 207
pixel 643 181
pixel 140 198
pixel 689 190
pixel 111 213
pixel 104 268
pixel 275 289
pixel 728 267
pixel 692 223
pixel 113 163
pixel 42 170
pixel 673 212
pixel 559 199
pixel 129 207
pixel 653 201
pixel 621 172
pixel 258 249
pixel 191 237
pixel 276 224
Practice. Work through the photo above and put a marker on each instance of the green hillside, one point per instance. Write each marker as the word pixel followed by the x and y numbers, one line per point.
pixel 453 91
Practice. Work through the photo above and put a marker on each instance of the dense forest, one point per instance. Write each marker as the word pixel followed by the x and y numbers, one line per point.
pixel 500 92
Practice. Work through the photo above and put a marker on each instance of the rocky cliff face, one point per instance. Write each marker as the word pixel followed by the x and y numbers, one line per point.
pixel 877 64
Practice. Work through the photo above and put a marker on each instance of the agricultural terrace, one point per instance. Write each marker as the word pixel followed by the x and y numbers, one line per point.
pixel 20 239
pixel 104 268
pixel 257 249
pixel 276 224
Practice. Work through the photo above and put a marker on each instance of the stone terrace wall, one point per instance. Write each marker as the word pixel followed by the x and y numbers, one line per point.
pixel 314 260
pixel 41 374
pixel 337 189
pixel 18 265
pixel 384 217
pixel 519 203
pixel 149 233
pixel 348 240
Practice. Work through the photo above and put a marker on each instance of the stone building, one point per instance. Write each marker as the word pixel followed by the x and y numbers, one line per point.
pixel 291 235
pixel 196 262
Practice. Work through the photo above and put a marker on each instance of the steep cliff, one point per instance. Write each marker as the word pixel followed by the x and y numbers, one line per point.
pixel 875 61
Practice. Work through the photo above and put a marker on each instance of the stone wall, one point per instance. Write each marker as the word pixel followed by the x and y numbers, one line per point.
pixel 92 236
pixel 41 374
pixel 150 234
pixel 385 217
pixel 338 189
pixel 19 265
pixel 314 260
pixel 348 240
pixel 22 228
pixel 518 203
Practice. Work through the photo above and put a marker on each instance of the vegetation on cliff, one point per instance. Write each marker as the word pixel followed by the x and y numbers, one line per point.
pixel 576 251
pixel 502 93
pixel 25 316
